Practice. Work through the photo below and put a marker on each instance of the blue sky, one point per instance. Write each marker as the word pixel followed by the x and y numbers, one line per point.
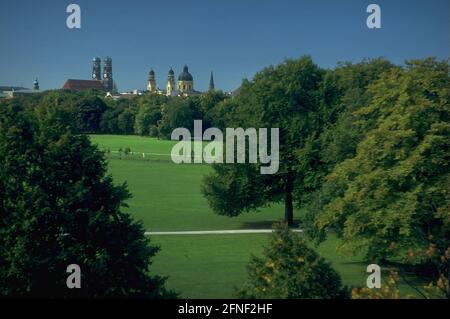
pixel 233 38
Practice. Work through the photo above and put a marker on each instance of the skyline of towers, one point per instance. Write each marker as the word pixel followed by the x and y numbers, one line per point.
pixel 183 86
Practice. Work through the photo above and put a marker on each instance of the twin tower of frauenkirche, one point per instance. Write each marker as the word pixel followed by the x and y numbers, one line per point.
pixel 107 78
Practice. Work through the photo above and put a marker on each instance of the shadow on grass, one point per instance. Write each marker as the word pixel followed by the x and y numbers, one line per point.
pixel 265 224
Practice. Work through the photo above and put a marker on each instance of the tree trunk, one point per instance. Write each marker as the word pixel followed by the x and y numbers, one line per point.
pixel 288 206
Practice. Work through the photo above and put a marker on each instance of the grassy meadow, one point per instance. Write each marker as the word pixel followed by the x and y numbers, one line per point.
pixel 167 197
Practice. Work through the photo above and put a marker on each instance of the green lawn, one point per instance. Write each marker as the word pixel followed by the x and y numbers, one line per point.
pixel 140 144
pixel 210 266
pixel 167 197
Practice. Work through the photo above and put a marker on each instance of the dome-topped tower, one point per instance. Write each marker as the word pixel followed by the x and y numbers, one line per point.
pixel 151 85
pixel 185 75
pixel 185 81
pixel 170 86
pixel 36 85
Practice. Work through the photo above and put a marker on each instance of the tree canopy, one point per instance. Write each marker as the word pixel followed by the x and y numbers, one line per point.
pixel 284 97
pixel 59 207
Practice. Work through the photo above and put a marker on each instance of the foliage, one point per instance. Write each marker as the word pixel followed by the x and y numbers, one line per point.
pixel 178 112
pixel 87 114
pixel 388 290
pixel 58 207
pixel 149 114
pixel 283 97
pixel 290 269
pixel 393 194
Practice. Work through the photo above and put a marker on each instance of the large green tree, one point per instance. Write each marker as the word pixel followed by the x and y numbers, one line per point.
pixel 393 194
pixel 59 207
pixel 343 91
pixel 285 97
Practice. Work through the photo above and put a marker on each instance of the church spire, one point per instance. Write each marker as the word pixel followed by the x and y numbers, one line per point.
pixel 211 82
pixel 36 85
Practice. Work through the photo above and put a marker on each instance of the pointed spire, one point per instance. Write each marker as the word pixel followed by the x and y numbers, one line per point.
pixel 211 82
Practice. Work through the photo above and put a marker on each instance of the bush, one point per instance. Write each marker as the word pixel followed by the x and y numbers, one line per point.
pixel 290 269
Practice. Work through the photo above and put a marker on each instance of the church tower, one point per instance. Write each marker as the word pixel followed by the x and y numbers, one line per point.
pixel 185 81
pixel 108 82
pixel 36 85
pixel 170 87
pixel 211 82
pixel 151 85
pixel 96 69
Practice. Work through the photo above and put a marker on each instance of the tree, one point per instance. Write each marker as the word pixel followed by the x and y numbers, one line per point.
pixel 125 121
pixel 88 113
pixel 221 113
pixel 58 207
pixel 290 269
pixel 178 112
pixel 284 97
pixel 149 114
pixel 109 121
pixel 343 91
pixel 207 103
pixel 393 194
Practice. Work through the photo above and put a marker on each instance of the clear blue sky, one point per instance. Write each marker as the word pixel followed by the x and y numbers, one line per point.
pixel 234 38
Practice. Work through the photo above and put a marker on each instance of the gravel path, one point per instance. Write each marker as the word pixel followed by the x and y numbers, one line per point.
pixel 215 232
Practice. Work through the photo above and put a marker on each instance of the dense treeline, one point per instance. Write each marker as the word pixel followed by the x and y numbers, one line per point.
pixel 148 115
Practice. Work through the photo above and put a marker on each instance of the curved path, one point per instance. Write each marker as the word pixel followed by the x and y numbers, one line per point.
pixel 216 232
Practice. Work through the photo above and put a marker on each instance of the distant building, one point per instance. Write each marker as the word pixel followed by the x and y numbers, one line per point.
pixel 107 80
pixel 36 85
pixel 125 95
pixel 96 69
pixel 151 84
pixel 170 83
pixel 211 82
pixel 83 85
pixel 10 92
pixel 105 83
pixel 183 87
